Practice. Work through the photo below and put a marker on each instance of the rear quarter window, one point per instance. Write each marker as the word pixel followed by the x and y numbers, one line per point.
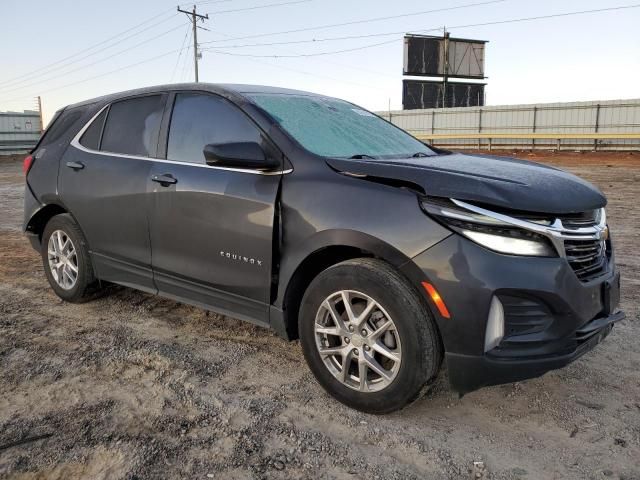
pixel 63 127
pixel 91 137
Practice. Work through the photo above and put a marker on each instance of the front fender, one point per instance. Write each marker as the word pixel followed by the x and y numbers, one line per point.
pixel 297 254
pixel 337 238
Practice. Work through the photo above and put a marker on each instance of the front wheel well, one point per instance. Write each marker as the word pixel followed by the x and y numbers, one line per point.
pixel 310 268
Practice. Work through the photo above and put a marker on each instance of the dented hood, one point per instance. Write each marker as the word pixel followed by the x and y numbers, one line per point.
pixel 504 182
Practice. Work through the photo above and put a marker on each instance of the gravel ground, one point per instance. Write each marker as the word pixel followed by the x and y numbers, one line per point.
pixel 134 386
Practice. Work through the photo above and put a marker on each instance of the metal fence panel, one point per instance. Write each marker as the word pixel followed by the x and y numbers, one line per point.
pixel 551 125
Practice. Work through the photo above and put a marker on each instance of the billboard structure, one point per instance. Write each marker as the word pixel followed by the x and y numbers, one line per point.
pixel 446 58
pixel 431 94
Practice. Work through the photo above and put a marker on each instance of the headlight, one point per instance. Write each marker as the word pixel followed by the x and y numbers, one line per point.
pixel 513 246
pixel 489 232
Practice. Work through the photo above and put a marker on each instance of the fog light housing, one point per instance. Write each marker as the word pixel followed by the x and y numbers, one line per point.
pixel 495 325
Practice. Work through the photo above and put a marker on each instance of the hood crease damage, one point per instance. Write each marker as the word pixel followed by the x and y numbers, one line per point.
pixel 504 182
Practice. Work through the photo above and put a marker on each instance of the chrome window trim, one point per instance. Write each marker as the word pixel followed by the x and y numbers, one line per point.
pixel 556 232
pixel 76 144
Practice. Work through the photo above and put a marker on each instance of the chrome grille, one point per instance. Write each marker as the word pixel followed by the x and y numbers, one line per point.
pixel 580 238
pixel 589 218
pixel 587 257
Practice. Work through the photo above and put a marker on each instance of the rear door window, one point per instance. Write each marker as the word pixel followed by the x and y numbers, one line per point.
pixel 198 120
pixel 132 126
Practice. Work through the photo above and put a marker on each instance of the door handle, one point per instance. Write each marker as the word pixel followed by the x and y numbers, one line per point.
pixel 75 165
pixel 165 180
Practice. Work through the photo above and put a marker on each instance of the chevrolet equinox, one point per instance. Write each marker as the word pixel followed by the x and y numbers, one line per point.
pixel 319 219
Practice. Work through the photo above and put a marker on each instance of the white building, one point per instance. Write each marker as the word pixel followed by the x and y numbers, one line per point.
pixel 19 131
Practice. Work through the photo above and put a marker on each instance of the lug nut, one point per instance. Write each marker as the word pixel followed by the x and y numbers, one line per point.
pixel 346 340
pixel 367 347
pixel 355 351
pixel 364 333
pixel 351 328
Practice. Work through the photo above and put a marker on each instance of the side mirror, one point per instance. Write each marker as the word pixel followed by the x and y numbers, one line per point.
pixel 238 155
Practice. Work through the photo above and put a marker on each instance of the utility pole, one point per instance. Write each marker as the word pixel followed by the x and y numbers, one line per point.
pixel 40 113
pixel 194 18
pixel 445 37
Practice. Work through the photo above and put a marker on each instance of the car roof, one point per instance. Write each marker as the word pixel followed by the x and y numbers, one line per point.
pixel 221 88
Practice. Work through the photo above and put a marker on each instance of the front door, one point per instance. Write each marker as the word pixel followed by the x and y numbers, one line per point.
pixel 211 228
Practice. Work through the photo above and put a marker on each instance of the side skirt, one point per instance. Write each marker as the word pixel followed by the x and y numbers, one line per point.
pixel 181 290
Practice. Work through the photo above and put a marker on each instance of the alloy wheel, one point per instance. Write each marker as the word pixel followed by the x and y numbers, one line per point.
pixel 63 259
pixel 358 341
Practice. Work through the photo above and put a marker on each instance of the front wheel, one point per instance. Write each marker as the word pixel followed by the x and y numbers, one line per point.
pixel 367 336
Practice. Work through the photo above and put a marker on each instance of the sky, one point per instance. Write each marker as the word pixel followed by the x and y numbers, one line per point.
pixel 68 51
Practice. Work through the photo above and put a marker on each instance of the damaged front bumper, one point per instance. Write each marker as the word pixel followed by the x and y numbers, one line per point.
pixel 469 372
pixel 551 318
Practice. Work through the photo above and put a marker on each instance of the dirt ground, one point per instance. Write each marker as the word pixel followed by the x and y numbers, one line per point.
pixel 134 386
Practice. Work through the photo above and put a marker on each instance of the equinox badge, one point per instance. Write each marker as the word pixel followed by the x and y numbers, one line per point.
pixel 240 258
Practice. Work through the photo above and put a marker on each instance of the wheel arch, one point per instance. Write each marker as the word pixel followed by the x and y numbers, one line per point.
pixel 41 217
pixel 322 251
pixel 34 228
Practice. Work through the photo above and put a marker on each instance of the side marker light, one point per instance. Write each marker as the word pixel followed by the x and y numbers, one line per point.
pixel 437 299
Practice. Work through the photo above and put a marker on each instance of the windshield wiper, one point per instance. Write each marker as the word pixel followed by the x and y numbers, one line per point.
pixel 419 154
pixel 360 156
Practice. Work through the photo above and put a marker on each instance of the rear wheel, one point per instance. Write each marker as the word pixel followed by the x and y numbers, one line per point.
pixel 367 336
pixel 65 256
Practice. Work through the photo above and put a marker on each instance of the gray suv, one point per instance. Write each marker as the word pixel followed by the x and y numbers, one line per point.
pixel 314 217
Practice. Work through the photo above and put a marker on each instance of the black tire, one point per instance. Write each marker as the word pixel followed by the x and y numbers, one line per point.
pixel 85 284
pixel 421 353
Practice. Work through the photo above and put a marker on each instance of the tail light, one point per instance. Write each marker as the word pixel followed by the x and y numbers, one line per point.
pixel 27 163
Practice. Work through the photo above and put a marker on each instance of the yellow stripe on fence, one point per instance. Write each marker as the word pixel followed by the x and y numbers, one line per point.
pixel 527 136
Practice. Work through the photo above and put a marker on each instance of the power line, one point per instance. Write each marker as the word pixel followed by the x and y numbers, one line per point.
pixel 497 22
pixel 131 65
pixel 543 17
pixel 64 65
pixel 368 20
pixel 317 54
pixel 175 68
pixel 183 73
pixel 351 37
pixel 204 2
pixel 82 67
pixel 360 69
pixel 328 39
pixel 256 7
pixel 312 74
pixel 48 66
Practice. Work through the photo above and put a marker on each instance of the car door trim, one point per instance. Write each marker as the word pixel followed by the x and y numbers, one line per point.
pixel 76 144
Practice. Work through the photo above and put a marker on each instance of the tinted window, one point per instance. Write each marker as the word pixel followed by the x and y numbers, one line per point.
pixel 61 124
pixel 198 120
pixel 335 128
pixel 132 126
pixel 91 136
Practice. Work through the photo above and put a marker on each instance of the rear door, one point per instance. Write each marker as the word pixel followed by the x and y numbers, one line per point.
pixel 103 182
pixel 212 228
